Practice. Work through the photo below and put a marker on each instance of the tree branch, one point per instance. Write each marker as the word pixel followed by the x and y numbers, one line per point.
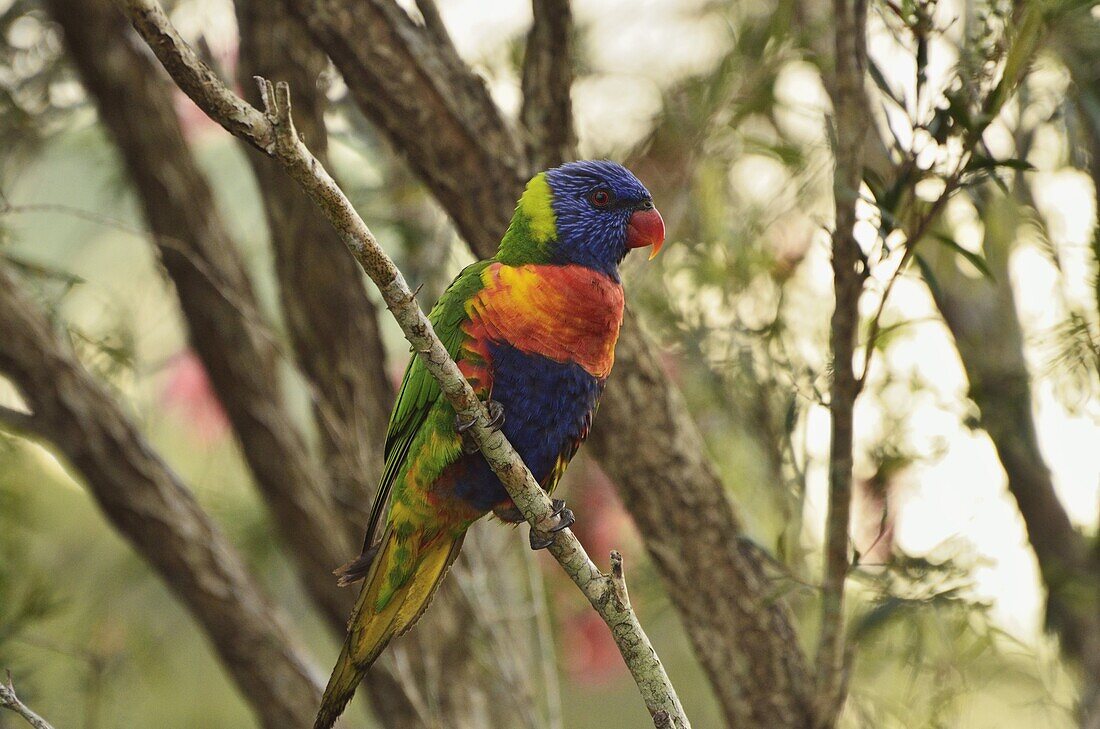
pixel 8 700
pixel 215 293
pixel 240 353
pixel 981 316
pixel 433 22
pixel 288 149
pixel 743 636
pixel 644 437
pixel 152 509
pixel 341 356
pixel 547 111
pixel 851 114
pixel 241 119
pixel 681 550
pixel 221 312
pixel 428 104
pixel 17 421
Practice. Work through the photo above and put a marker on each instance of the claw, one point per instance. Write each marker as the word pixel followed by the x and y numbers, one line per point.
pixel 539 540
pixel 496 414
pixel 566 519
pixel 463 425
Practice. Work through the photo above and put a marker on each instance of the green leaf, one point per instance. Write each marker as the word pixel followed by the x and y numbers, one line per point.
pixel 928 276
pixel 878 616
pixel 975 259
pixel 884 85
pixel 984 162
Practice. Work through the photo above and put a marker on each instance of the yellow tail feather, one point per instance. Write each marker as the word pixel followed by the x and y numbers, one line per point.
pixel 371 629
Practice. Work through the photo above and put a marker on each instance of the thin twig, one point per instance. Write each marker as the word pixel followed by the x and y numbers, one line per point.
pixel 275 135
pixel 8 700
pixel 1029 30
pixel 918 234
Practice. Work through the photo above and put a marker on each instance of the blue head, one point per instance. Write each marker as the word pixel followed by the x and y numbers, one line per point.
pixel 588 213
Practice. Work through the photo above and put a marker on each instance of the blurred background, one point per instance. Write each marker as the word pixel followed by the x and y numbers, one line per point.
pixel 721 109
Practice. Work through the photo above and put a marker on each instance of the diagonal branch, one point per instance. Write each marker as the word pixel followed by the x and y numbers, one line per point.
pixel 215 293
pixel 644 437
pixel 547 111
pixel 601 591
pixel 333 327
pixel 152 509
pixel 341 356
pixel 744 637
pixel 221 312
pixel 429 105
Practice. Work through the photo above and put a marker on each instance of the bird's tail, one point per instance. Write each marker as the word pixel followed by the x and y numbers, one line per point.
pixel 393 598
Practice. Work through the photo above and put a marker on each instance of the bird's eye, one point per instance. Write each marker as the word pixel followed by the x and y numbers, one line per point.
pixel 600 198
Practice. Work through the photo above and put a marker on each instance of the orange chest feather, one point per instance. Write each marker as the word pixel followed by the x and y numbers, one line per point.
pixel 564 313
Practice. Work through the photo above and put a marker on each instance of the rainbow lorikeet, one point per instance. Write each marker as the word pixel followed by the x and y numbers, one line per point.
pixel 533 329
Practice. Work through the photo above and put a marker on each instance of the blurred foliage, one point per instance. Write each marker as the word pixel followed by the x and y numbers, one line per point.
pixel 26 596
pixel 37 93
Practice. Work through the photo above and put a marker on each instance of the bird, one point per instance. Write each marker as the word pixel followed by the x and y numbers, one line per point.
pixel 533 329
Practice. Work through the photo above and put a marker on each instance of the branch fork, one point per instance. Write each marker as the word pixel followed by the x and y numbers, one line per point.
pixel 9 700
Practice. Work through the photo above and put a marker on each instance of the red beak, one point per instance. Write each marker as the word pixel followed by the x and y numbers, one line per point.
pixel 646 228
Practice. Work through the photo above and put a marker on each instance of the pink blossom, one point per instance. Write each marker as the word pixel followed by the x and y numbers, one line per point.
pixel 189 393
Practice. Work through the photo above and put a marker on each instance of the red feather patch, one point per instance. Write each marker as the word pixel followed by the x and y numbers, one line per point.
pixel 565 313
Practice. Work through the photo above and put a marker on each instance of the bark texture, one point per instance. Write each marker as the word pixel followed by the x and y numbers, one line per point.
pixel 223 319
pixel 607 594
pixel 9 700
pixel 333 327
pixel 742 634
pixel 332 323
pixel 333 330
pixel 851 116
pixel 154 511
pixel 430 106
pixel 547 111
pixel 395 79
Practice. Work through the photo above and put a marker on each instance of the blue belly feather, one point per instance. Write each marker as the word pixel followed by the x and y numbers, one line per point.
pixel 547 406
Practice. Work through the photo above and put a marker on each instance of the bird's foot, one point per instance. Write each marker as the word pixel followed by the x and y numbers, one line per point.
pixel 496 414
pixel 463 425
pixel 566 519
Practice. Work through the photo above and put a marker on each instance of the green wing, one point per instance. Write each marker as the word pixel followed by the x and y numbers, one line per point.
pixel 419 390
